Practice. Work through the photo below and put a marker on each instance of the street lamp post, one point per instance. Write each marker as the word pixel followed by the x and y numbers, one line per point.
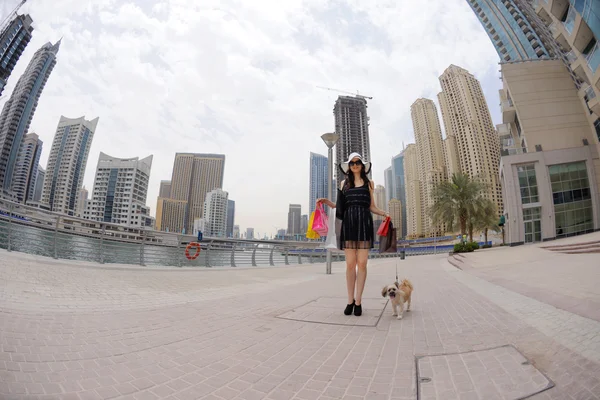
pixel 330 140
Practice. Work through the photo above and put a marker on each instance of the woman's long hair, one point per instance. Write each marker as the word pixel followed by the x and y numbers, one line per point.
pixel 350 177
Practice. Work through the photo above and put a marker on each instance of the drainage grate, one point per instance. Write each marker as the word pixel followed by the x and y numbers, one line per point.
pixel 501 372
pixel 329 310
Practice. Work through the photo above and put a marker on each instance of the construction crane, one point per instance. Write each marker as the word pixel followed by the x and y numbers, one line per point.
pixel 10 16
pixel 343 91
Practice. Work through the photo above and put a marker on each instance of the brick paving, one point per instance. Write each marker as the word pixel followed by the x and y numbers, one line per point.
pixel 80 331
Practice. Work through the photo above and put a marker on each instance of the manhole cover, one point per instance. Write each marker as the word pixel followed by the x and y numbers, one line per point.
pixel 501 373
pixel 330 310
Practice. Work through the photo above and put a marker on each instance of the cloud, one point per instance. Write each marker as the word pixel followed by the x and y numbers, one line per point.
pixel 239 78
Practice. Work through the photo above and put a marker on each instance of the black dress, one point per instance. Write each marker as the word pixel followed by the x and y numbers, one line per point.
pixel 357 224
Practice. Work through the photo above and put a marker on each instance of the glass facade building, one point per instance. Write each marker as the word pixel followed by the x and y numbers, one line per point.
pixel 19 109
pixel 512 35
pixel 318 180
pixel 572 199
pixel 399 187
pixel 13 40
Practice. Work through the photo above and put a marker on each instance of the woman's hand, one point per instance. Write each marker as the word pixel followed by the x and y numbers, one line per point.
pixel 326 202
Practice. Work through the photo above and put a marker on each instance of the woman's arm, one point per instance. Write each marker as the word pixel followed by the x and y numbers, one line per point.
pixel 327 202
pixel 374 209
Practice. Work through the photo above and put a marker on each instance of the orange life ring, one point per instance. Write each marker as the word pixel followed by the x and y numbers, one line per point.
pixel 187 250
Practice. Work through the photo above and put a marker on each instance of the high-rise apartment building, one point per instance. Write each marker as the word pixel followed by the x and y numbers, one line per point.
pixel 295 220
pixel 430 157
pixel 39 183
pixel 215 213
pixel 550 168
pixel 395 207
pixel 120 191
pixel 352 124
pixel 18 111
pixel 170 215
pixel 319 185
pixel 575 28
pixel 514 36
pixel 468 122
pixel 399 189
pixel 249 233
pixel 230 218
pixel 165 189
pixel 379 194
pixel 26 170
pixel 67 162
pixel 82 202
pixel 414 228
pixel 194 175
pixel 13 40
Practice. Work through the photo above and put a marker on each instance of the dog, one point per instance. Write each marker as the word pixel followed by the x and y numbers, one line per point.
pixel 399 293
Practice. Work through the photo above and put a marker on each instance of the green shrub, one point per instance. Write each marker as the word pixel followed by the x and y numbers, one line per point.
pixel 466 247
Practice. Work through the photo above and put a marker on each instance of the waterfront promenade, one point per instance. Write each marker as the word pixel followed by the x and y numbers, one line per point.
pixel 507 322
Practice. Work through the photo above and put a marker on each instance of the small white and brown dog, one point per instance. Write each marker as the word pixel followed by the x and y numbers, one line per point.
pixel 399 293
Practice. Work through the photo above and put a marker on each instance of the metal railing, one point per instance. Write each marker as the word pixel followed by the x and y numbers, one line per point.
pixel 32 230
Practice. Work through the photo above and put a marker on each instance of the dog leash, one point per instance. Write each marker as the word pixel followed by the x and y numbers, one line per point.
pixel 397 271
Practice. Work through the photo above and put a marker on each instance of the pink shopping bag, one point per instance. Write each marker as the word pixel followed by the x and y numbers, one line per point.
pixel 320 221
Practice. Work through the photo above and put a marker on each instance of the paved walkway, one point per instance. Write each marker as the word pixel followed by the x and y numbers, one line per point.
pixel 81 331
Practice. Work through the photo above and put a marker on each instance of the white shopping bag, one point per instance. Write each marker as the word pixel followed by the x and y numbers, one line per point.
pixel 331 241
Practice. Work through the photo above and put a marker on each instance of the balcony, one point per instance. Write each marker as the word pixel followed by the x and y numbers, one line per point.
pixel 593 102
pixel 508 110
pixel 593 58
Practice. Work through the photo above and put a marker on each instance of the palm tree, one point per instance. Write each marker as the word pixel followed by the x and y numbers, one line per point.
pixel 454 202
pixel 485 217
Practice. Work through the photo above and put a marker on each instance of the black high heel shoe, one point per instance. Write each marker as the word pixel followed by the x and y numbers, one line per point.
pixel 349 307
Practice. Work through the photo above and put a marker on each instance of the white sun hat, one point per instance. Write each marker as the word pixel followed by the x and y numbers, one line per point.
pixel 345 167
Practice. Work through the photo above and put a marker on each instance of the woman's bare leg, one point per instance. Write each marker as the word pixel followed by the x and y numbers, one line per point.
pixel 350 273
pixel 362 257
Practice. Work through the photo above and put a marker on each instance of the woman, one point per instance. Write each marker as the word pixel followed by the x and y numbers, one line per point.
pixel 356 236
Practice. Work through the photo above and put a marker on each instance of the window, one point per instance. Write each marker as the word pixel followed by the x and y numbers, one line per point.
pixel 572 199
pixel 528 184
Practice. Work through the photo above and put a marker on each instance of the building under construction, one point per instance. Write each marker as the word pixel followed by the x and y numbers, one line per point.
pixel 352 124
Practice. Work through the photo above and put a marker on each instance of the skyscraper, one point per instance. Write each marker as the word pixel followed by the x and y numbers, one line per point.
pixel 512 34
pixel 67 162
pixel 294 220
pixel 82 201
pixel 318 180
pixel 414 216
pixel 19 109
pixel 39 183
pixel 215 213
pixel 13 40
pixel 194 175
pixel 230 218
pixel 468 120
pixel 388 177
pixel 428 138
pixel 379 194
pixel 395 210
pixel 303 223
pixel 28 159
pixel 352 124
pixel 165 189
pixel 399 189
pixel 120 191
pixel 249 233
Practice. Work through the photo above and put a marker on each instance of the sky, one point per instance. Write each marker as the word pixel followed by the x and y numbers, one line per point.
pixel 240 77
